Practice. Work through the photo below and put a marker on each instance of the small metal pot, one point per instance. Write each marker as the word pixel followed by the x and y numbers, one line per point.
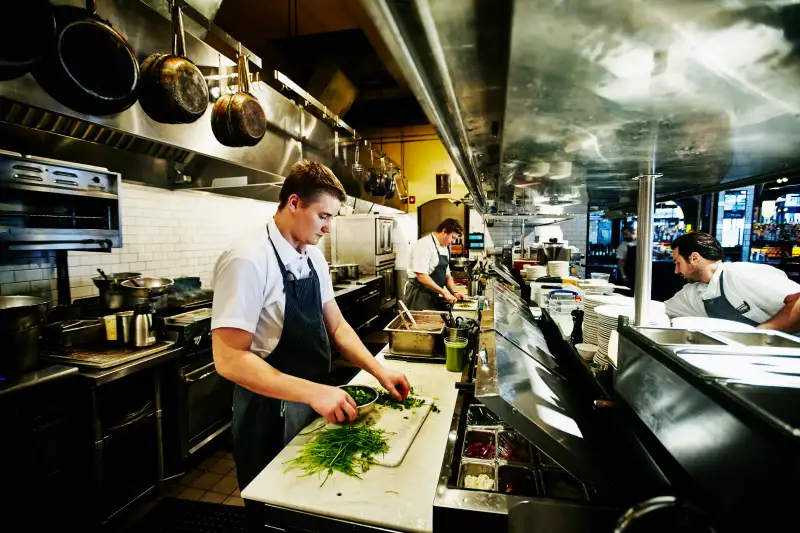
pixel 334 275
pixel 350 271
pixel 111 294
pixel 20 351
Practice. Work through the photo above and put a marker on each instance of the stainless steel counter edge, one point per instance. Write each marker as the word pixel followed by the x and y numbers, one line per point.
pixel 50 373
pixel 106 375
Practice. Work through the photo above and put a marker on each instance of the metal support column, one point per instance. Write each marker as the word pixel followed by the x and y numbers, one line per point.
pixel 644 237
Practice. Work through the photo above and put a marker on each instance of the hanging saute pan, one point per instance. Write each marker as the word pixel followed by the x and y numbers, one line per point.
pixel 238 119
pixel 27 29
pixel 90 68
pixel 173 90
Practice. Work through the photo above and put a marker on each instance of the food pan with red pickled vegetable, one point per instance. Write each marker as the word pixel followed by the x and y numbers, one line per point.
pixel 480 444
pixel 513 447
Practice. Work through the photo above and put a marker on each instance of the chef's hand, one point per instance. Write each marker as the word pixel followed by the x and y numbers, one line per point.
pixel 459 296
pixel 449 298
pixel 394 382
pixel 334 404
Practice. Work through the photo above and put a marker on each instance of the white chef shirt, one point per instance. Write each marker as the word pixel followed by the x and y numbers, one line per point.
pixel 425 256
pixel 248 287
pixel 763 288
pixel 622 249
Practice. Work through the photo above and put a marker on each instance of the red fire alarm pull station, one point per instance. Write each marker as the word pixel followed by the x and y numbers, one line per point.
pixel 412 199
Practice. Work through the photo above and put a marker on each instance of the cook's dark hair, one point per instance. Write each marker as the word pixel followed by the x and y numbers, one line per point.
pixel 449 225
pixel 627 228
pixel 704 244
pixel 308 179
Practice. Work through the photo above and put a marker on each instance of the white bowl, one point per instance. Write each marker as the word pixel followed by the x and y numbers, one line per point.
pixel 586 351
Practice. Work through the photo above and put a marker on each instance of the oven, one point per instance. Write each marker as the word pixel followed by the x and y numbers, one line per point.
pixel 206 397
pixel 387 288
pixel 199 401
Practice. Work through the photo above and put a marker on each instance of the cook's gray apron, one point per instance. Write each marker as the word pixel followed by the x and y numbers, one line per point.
pixel 262 426
pixel 720 307
pixel 419 297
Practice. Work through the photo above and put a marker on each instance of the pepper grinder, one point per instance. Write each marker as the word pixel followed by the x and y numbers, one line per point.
pixel 577 327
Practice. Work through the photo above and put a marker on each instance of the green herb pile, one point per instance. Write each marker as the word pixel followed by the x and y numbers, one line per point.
pixel 345 449
pixel 411 402
pixel 359 395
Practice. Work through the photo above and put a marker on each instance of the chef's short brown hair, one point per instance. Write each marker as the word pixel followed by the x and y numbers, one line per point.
pixel 308 179
pixel 449 225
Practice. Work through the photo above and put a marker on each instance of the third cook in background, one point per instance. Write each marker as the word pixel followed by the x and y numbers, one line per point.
pixel 430 285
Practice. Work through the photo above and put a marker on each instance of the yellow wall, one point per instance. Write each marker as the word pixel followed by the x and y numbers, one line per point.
pixel 422 161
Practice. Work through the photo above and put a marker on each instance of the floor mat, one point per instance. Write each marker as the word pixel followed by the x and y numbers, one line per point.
pixel 171 515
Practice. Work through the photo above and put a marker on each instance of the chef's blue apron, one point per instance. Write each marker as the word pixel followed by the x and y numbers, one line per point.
pixel 262 426
pixel 720 307
pixel 419 297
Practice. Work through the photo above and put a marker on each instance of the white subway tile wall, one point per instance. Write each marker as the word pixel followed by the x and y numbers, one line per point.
pixel 165 233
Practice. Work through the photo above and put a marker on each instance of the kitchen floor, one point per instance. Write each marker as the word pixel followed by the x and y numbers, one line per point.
pixel 214 481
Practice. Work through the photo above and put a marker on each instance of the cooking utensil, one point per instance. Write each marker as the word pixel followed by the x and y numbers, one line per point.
pixel 20 351
pixel 367 407
pixel 21 312
pixel 358 168
pixel 371 182
pixel 380 185
pixel 103 274
pixel 446 320
pixel 146 287
pixel 90 68
pixel 143 328
pixel 238 119
pixel 404 308
pixel 73 332
pixel 124 326
pixel 27 31
pixel 173 90
pixel 391 187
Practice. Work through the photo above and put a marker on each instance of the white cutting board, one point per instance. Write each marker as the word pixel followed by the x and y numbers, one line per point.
pixel 401 428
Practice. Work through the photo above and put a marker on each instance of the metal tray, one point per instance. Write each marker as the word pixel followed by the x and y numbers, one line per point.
pixel 475 467
pixel 403 341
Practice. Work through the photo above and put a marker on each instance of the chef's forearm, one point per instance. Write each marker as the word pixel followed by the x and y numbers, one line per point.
pixel 253 373
pixel 451 286
pixel 785 321
pixel 426 280
pixel 621 268
pixel 350 346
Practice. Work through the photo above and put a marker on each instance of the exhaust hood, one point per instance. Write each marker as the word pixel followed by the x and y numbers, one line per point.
pixel 185 156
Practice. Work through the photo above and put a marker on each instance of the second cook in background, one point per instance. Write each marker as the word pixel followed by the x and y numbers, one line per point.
pixel 273 314
pixel 430 285
pixel 750 293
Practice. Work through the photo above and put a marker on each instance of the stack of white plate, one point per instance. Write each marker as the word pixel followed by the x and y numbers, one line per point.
pixel 590 321
pixel 607 316
pixel 559 269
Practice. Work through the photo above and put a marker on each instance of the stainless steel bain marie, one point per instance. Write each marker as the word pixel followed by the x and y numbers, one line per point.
pixel 426 340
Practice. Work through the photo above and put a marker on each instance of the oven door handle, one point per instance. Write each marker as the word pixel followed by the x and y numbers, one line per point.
pixel 369 296
pixel 204 372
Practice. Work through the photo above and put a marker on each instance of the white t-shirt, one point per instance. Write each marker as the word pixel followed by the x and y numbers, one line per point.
pixel 248 287
pixel 762 287
pixel 425 256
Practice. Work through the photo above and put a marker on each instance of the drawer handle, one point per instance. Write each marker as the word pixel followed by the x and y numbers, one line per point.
pixel 67 182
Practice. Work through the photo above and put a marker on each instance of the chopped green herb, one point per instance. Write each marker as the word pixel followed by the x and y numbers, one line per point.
pixel 347 449
pixel 386 399
pixel 435 408
pixel 391 492
pixel 360 395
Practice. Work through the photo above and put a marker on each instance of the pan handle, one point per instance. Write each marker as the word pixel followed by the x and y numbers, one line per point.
pixel 178 37
pixel 91 7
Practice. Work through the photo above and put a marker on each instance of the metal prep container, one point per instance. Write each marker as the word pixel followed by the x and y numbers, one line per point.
pixel 475 467
pixel 483 436
pixel 417 342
